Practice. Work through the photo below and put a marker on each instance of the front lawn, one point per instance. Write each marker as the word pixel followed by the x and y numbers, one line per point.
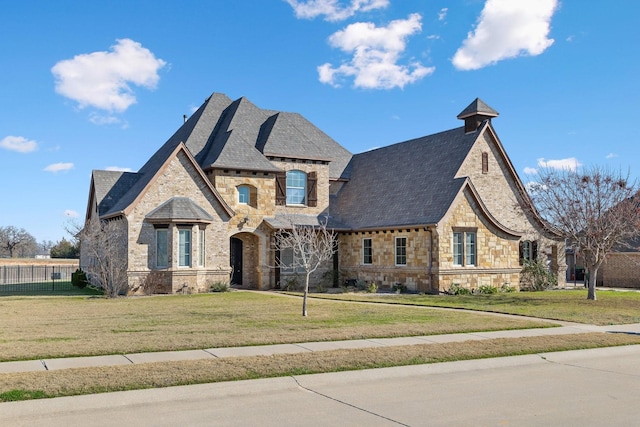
pixel 611 307
pixel 46 327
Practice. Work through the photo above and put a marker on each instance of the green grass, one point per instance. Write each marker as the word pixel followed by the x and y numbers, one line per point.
pixel 46 327
pixel 50 288
pixel 611 307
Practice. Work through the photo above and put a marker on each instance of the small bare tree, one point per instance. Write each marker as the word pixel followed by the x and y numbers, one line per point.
pixel 104 243
pixel 594 208
pixel 311 245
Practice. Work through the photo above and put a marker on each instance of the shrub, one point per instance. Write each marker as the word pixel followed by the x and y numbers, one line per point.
pixel 456 289
pixel 219 286
pixel 372 288
pixel 79 279
pixel 399 288
pixel 536 276
pixel 361 285
pixel 487 289
pixel 506 288
pixel 292 284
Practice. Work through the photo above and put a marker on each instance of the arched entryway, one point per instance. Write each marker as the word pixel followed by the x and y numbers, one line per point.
pixel 244 259
pixel 236 261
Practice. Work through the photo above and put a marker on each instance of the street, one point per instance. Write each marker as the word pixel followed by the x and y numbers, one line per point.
pixel 577 388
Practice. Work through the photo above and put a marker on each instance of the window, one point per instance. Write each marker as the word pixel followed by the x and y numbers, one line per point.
pixel 485 162
pixel 201 248
pixel 243 195
pixel 162 244
pixel 528 251
pixel 184 247
pixel 401 251
pixel 296 187
pixel 367 251
pixel 464 248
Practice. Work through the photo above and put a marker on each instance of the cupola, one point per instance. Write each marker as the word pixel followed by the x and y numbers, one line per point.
pixel 475 114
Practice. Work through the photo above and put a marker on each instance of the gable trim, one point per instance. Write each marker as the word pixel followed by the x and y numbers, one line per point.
pixel 179 148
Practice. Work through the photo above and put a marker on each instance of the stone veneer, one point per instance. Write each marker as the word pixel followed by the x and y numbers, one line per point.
pixel 178 178
pixel 620 269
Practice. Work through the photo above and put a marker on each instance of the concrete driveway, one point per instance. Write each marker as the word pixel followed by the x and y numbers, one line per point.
pixel 576 388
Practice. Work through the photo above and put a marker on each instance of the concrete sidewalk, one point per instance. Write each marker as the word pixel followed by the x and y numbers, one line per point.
pixel 267 350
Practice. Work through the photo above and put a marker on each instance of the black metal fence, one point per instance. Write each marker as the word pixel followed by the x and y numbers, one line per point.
pixel 25 279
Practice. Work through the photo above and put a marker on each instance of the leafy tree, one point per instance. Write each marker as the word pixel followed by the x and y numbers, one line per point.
pixel 594 208
pixel 311 245
pixel 17 242
pixel 65 249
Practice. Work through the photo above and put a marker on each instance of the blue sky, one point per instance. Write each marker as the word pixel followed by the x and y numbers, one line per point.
pixel 96 85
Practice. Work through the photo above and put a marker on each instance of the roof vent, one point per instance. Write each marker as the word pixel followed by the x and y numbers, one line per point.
pixel 475 114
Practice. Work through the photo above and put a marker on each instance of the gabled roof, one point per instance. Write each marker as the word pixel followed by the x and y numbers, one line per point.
pixel 377 195
pixel 150 172
pixel 291 135
pixel 178 209
pixel 110 186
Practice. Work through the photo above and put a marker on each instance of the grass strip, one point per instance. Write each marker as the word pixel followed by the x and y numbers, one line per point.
pixel 33 385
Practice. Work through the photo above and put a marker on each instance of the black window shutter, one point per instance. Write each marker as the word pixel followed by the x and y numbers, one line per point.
pixel 312 196
pixel 534 250
pixel 281 188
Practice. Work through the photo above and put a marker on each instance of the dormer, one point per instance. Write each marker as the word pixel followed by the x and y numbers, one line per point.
pixel 475 114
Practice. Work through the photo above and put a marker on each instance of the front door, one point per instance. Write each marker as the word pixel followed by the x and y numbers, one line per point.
pixel 236 261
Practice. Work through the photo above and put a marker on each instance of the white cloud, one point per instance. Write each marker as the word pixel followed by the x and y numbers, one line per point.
pixel 611 155
pixel 118 169
pixel 58 167
pixel 570 163
pixel 507 29
pixel 18 143
pixel 530 171
pixel 376 51
pixel 99 119
pixel 102 79
pixel 332 9
pixel 442 14
pixel 71 213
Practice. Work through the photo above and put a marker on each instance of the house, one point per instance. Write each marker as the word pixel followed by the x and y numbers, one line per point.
pixel 431 212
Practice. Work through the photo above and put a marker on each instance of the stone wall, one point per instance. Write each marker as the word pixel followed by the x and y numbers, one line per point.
pixel 497 253
pixel 179 178
pixel 383 270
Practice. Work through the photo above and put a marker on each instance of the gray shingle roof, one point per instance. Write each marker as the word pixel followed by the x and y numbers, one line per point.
pixel 179 209
pixel 478 107
pixel 409 183
pixel 227 134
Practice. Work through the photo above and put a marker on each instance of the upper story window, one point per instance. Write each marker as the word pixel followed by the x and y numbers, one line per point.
pixel 485 162
pixel 401 251
pixel 296 187
pixel 367 251
pixel 244 194
pixel 464 248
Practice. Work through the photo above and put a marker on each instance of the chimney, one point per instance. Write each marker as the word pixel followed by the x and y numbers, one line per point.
pixel 475 114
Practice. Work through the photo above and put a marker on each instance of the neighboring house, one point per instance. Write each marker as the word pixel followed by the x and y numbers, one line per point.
pixel 621 268
pixel 431 212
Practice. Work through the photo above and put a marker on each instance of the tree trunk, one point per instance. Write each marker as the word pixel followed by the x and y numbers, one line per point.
pixel 593 275
pixel 304 297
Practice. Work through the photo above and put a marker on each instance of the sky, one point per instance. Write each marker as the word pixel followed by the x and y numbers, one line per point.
pixel 90 85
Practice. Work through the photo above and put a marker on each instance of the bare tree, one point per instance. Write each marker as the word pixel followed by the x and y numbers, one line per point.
pixel 311 246
pixel 594 208
pixel 104 244
pixel 15 241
